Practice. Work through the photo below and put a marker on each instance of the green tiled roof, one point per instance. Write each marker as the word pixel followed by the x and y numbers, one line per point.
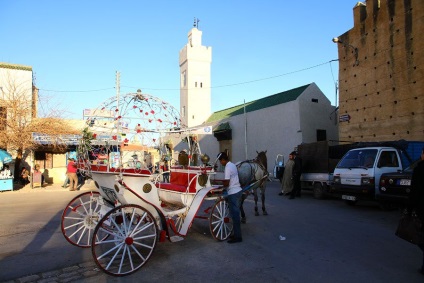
pixel 262 103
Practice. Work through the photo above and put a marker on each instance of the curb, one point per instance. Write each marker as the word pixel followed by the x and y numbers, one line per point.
pixel 53 188
pixel 66 274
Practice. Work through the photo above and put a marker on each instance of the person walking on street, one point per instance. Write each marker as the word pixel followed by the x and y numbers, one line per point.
pixel 72 174
pixel 416 197
pixel 231 181
pixel 297 171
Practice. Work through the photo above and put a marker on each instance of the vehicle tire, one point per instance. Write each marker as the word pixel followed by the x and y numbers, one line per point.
pixel 318 191
pixel 351 202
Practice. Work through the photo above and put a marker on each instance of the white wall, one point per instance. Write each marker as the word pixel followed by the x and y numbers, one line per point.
pixel 277 129
pixel 316 115
pixel 18 81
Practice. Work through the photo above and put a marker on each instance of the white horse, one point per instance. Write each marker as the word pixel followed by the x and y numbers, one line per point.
pixel 251 171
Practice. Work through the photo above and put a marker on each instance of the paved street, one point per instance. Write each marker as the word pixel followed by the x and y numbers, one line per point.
pixel 326 241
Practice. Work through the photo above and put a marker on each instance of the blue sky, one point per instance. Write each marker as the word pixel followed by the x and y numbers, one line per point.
pixel 258 47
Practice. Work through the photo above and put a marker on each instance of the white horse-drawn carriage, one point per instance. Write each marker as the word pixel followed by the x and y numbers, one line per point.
pixel 132 209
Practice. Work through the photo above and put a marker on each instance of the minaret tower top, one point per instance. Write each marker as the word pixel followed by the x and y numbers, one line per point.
pixel 195 84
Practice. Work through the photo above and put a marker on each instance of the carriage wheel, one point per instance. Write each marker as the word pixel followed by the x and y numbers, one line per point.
pixel 220 222
pixel 132 238
pixel 79 219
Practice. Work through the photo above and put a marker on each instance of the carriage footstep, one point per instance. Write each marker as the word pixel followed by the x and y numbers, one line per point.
pixel 176 238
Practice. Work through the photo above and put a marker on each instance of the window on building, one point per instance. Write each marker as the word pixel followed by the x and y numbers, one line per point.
pixel 195 84
pixel 315 100
pixel 201 84
pixel 184 79
pixel 321 135
pixel 183 111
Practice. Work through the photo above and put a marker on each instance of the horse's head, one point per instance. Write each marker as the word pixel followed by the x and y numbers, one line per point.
pixel 261 158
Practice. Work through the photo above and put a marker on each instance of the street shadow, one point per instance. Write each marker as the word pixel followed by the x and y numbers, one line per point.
pixel 41 254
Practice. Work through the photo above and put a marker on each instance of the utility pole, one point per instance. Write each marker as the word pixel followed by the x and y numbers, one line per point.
pixel 118 88
pixel 245 129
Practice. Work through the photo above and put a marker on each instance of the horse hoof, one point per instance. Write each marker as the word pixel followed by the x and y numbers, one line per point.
pixel 265 213
pixel 243 220
pixel 256 213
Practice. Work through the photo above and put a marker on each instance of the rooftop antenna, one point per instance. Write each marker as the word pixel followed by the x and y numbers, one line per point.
pixel 196 22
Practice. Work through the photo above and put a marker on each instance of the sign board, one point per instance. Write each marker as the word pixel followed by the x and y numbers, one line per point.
pixel 344 118
pixel 207 130
pixel 60 139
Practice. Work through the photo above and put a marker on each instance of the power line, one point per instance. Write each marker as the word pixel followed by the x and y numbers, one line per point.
pixel 273 77
pixel 92 90
pixel 220 86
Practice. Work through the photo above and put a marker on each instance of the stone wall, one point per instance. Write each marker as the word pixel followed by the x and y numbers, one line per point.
pixel 382 91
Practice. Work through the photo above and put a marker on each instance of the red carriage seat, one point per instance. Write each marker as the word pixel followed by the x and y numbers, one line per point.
pixel 180 181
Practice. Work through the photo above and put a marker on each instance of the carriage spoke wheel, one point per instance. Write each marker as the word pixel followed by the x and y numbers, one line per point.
pixel 79 219
pixel 132 236
pixel 177 222
pixel 220 222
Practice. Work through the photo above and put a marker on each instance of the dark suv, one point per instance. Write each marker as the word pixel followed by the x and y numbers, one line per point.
pixel 395 187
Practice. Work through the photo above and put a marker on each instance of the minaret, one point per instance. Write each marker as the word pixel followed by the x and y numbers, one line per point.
pixel 195 80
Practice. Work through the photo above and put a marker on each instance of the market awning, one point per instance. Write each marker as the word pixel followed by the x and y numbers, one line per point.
pixel 223 132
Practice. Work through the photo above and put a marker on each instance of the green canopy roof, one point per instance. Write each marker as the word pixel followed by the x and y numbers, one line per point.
pixel 279 98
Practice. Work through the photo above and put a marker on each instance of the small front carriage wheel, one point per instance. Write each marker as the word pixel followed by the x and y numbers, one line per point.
pixel 79 219
pixel 132 236
pixel 220 222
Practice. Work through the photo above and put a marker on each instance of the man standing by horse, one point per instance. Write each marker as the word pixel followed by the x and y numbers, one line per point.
pixel 231 181
pixel 297 171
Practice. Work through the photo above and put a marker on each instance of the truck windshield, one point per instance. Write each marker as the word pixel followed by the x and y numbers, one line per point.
pixel 358 159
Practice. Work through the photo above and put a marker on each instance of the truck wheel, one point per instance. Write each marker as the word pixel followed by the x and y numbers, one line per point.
pixel 351 202
pixel 318 191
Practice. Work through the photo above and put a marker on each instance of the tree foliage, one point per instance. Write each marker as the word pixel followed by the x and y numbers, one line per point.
pixel 18 117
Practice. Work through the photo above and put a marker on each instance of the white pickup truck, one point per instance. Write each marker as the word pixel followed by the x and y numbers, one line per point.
pixel 357 175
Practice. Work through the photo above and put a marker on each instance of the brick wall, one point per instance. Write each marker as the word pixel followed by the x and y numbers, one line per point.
pixel 383 92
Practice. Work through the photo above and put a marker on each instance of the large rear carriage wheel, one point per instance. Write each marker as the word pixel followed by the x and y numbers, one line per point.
pixel 220 222
pixel 79 219
pixel 131 238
